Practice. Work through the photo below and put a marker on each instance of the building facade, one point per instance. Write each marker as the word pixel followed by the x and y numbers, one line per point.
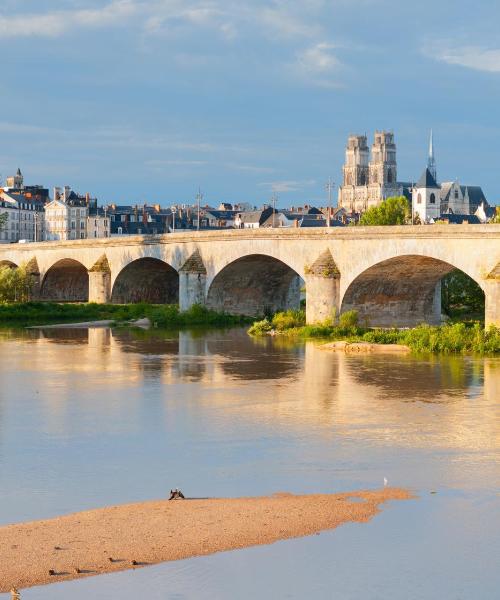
pixel 66 216
pixel 369 178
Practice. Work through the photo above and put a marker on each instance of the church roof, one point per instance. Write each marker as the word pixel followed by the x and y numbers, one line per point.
pixel 427 180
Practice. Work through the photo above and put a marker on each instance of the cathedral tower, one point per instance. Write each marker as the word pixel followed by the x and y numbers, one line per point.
pixel 356 161
pixel 383 166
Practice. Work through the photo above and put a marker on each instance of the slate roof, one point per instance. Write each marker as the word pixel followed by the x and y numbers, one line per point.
pixel 460 219
pixel 427 181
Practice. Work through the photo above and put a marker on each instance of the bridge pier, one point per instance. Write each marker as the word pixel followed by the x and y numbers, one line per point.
pixel 100 282
pixel 322 289
pixel 492 302
pixel 192 282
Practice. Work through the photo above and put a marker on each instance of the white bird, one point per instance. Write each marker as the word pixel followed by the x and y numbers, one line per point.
pixel 385 482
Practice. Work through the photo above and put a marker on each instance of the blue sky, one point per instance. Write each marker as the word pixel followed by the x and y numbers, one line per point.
pixel 145 100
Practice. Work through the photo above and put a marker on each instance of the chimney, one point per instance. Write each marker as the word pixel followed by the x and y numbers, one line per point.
pixel 87 198
pixel 66 192
pixel 57 193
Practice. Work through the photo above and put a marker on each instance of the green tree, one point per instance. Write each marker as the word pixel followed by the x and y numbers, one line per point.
pixel 461 295
pixel 496 218
pixel 3 219
pixel 16 284
pixel 392 211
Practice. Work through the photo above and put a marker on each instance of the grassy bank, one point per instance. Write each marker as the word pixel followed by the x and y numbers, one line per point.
pixel 164 316
pixel 453 338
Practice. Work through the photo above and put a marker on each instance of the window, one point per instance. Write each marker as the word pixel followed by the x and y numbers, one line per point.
pixel 456 194
pixel 82 224
pixel 433 198
pixel 123 218
pixel 73 225
pixel 120 231
pixel 82 235
pixel 419 199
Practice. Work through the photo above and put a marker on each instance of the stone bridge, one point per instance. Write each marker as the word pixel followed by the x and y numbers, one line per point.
pixel 391 275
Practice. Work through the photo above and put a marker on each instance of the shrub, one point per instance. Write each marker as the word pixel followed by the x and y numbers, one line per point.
pixel 349 319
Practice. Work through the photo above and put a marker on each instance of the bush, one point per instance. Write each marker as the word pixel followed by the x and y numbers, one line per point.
pixel 349 319
pixel 288 319
pixel 260 327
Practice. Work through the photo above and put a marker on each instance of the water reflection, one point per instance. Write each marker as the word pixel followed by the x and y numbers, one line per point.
pixel 92 407
pixel 97 417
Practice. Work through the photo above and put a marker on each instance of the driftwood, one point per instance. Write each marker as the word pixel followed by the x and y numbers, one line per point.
pixel 176 494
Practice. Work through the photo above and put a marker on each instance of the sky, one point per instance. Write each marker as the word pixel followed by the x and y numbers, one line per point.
pixel 148 100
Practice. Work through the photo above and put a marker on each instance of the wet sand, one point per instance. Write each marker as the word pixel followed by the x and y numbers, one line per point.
pixel 111 539
pixel 366 348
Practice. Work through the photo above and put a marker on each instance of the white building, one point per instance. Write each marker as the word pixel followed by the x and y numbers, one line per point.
pixel 432 201
pixel 426 199
pixel 98 224
pixel 24 218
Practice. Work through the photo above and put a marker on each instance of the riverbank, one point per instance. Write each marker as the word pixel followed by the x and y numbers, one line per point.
pixel 450 338
pixel 133 535
pixel 23 314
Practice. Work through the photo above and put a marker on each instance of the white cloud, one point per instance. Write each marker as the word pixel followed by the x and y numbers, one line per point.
pixel 56 23
pixel 281 187
pixel 471 57
pixel 154 16
pixel 318 59
pixel 317 65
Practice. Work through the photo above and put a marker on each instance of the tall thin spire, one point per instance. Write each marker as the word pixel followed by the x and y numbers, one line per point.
pixel 431 161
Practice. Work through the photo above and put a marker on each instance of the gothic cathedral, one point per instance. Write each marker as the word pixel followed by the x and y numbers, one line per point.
pixel 368 182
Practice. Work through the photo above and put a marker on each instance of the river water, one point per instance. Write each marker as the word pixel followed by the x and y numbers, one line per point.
pixel 95 417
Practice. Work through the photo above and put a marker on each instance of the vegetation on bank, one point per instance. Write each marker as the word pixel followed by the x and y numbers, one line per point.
pixel 453 338
pixel 162 316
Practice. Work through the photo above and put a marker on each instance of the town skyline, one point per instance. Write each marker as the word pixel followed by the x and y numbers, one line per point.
pixel 150 101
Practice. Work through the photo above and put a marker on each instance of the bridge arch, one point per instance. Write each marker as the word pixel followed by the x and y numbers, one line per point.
pixel 146 279
pixel 253 285
pixel 8 263
pixel 401 291
pixel 67 280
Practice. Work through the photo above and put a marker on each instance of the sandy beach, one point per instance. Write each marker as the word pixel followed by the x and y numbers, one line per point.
pixel 134 535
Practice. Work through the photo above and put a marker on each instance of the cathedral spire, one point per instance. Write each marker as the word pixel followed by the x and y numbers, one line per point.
pixel 431 161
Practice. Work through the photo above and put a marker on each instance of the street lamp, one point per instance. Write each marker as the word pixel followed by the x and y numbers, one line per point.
pixel 329 188
pixel 273 199
pixel 199 198
pixel 173 209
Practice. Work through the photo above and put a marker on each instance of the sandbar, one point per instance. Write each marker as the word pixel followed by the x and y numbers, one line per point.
pixel 129 536
pixel 366 348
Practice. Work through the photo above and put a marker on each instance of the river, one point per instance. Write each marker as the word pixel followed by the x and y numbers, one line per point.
pixel 95 417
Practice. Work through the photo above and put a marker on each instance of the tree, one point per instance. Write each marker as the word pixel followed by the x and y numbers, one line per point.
pixel 3 219
pixel 496 218
pixel 461 295
pixel 16 284
pixel 392 211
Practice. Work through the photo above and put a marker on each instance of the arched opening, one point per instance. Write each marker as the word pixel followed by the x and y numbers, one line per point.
pixel 8 263
pixel 401 292
pixel 146 280
pixel 255 285
pixel 66 281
